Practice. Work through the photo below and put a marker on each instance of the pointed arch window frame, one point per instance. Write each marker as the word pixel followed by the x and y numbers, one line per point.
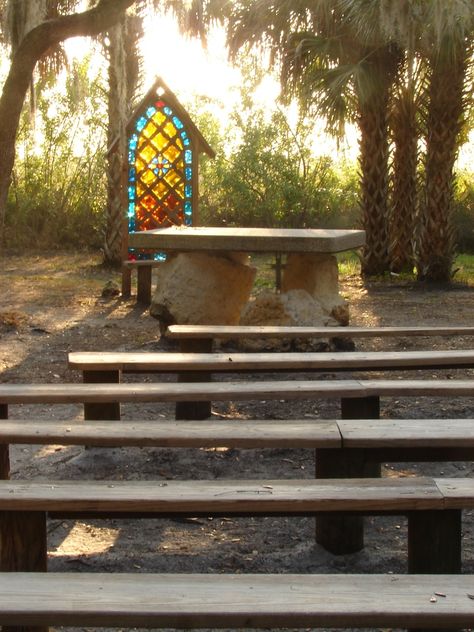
pixel 159 91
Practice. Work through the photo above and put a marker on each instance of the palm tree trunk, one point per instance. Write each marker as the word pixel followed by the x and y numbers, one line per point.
pixel 117 111
pixel 124 73
pixel 446 104
pixel 404 183
pixel 373 162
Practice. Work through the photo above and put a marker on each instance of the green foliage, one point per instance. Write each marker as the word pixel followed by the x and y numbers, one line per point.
pixel 58 190
pixel 266 175
pixel 463 213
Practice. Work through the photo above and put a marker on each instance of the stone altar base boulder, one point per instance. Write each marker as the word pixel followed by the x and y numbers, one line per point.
pixel 202 289
pixel 318 275
pixel 292 308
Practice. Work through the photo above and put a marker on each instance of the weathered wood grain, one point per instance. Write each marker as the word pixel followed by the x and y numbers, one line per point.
pixel 305 497
pixel 308 361
pixel 171 433
pixel 236 601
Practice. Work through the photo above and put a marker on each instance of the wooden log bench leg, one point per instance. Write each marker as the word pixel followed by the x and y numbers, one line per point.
pixel 4 448
pixel 341 534
pixel 144 284
pixel 126 282
pixel 23 549
pixel 107 410
pixel 434 542
pixel 338 533
pixel 434 545
pixel 194 410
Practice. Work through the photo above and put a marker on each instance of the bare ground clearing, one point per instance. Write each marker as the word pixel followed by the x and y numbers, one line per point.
pixel 52 305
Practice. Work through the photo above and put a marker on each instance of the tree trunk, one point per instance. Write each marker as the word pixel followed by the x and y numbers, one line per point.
pixel 123 79
pixel 33 46
pixel 445 110
pixel 373 162
pixel 404 183
pixel 115 132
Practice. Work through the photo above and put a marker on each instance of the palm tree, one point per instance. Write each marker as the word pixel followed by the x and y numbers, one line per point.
pixel 124 72
pixel 346 75
pixel 448 48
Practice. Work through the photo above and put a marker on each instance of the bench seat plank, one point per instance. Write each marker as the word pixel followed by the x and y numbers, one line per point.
pixel 186 434
pixel 270 331
pixel 288 497
pixel 171 392
pixel 236 601
pixel 226 391
pixel 458 493
pixel 407 433
pixel 342 361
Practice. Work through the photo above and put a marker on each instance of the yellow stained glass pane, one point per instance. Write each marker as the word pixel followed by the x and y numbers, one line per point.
pixel 148 177
pixel 140 189
pixel 160 190
pixel 140 164
pixel 147 154
pixel 172 178
pixel 149 129
pixel 179 190
pixel 179 142
pixel 158 118
pixel 170 129
pixel 171 153
pixel 160 142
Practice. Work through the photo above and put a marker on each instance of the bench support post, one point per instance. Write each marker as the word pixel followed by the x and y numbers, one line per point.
pixel 4 448
pixel 144 285
pixel 106 410
pixel 341 534
pixel 126 282
pixel 194 410
pixel 434 542
pixel 23 549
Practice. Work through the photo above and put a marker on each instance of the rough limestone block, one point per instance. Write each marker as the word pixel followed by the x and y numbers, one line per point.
pixel 202 289
pixel 293 308
pixel 317 274
pixel 296 307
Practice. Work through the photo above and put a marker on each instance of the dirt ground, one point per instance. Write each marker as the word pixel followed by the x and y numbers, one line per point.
pixel 52 305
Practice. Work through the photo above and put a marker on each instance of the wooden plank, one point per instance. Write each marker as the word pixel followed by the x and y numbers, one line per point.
pixel 231 391
pixel 236 601
pixel 458 493
pixel 203 238
pixel 292 497
pixel 270 331
pixel 296 389
pixel 169 392
pixel 347 361
pixel 183 434
pixel 407 433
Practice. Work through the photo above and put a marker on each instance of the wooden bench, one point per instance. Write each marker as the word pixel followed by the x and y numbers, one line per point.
pixel 201 337
pixel 144 268
pixel 191 367
pixel 359 400
pixel 236 601
pixel 433 507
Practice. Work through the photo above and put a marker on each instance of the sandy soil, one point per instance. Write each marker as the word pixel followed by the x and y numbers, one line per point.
pixel 52 305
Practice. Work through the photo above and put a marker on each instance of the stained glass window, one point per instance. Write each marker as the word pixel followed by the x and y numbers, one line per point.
pixel 160 170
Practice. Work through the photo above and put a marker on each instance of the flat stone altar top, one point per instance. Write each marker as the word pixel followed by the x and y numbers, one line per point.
pixel 201 238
